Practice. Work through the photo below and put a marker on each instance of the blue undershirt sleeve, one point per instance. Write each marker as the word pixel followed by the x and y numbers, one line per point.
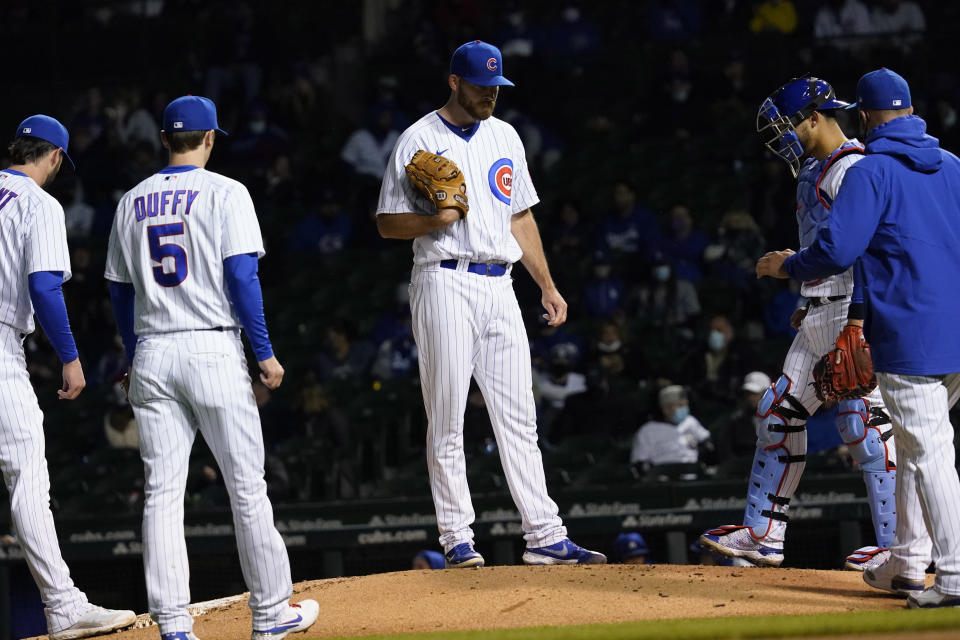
pixel 244 287
pixel 122 296
pixel 46 293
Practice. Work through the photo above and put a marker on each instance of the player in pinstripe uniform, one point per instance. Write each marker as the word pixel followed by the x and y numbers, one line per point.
pixel 466 320
pixel 182 266
pixel 34 263
pixel 898 213
pixel 798 125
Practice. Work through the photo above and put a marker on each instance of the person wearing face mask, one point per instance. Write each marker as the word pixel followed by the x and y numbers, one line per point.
pixel 715 370
pixel 667 300
pixel 677 438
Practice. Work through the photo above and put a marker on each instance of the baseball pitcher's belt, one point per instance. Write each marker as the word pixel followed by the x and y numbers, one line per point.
pixel 480 268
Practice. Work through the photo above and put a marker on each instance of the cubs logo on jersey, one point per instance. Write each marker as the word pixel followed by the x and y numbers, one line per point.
pixel 501 179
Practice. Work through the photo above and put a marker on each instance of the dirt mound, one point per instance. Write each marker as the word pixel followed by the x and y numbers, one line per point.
pixel 518 596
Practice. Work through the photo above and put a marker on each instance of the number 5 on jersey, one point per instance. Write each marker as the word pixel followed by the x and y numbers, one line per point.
pixel 169 251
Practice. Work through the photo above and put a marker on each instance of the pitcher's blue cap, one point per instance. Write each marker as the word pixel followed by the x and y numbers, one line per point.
pixel 479 63
pixel 882 89
pixel 46 128
pixel 191 113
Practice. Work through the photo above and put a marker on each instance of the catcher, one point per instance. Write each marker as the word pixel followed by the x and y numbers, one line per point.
pixel 797 123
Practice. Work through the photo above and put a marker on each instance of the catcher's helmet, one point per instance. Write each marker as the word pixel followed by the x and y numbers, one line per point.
pixel 787 107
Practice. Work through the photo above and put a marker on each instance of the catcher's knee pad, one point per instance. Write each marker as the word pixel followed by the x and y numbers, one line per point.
pixel 866 432
pixel 779 460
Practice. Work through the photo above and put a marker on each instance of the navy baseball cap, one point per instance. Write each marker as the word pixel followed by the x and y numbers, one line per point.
pixel 46 128
pixel 191 113
pixel 479 63
pixel 882 89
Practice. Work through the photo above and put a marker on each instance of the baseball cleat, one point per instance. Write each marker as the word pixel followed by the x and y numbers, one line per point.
pixel 179 635
pixel 737 541
pixel 96 621
pixel 879 579
pixel 463 556
pixel 932 599
pixel 564 552
pixel 866 558
pixel 298 617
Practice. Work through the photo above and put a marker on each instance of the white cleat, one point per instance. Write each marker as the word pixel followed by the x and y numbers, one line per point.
pixel 298 617
pixel 96 621
pixel 866 558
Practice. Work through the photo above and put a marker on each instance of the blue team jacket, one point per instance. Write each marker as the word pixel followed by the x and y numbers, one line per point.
pixel 899 208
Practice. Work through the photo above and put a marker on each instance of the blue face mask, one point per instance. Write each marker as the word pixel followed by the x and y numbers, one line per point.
pixel 662 273
pixel 680 414
pixel 716 340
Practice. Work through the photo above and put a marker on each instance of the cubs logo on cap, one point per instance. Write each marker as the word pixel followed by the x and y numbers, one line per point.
pixel 479 63
pixel 500 178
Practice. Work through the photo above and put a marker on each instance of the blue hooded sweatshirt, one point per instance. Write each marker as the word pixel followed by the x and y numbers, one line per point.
pixel 898 210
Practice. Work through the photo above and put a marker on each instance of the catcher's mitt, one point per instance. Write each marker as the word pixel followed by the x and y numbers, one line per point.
pixel 847 371
pixel 440 180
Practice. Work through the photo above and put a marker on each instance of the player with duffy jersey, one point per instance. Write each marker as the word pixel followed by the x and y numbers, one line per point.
pixel 466 320
pixel 182 265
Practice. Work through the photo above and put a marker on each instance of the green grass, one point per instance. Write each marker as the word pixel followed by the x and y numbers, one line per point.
pixel 859 622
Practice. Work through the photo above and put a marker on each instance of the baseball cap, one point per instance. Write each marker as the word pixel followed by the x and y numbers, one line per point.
pixel 191 113
pixel 882 89
pixel 46 128
pixel 672 393
pixel 756 382
pixel 480 63
pixel 628 545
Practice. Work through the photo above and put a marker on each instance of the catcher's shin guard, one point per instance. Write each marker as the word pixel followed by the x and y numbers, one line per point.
pixel 778 462
pixel 861 427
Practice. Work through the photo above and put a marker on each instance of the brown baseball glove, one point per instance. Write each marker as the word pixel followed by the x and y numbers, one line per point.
pixel 847 371
pixel 440 180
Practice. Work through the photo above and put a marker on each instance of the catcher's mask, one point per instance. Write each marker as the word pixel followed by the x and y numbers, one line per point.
pixel 787 107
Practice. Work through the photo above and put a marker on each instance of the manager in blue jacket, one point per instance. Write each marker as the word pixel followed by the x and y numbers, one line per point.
pixel 898 212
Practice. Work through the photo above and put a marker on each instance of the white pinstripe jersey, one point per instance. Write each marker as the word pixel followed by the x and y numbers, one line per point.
pixel 170 236
pixel 494 165
pixel 32 238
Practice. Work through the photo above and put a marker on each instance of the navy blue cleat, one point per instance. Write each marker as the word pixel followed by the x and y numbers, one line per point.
pixel 463 556
pixel 563 552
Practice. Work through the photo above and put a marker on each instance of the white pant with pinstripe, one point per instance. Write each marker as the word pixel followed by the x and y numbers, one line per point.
pixel 468 325
pixel 928 489
pixel 28 482
pixel 181 382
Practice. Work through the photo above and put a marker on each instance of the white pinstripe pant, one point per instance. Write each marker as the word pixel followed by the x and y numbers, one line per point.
pixel 928 489
pixel 28 481
pixel 180 382
pixel 470 325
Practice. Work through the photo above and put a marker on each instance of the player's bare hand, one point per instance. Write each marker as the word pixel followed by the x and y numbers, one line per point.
pixel 797 318
pixel 771 264
pixel 556 307
pixel 271 373
pixel 73 380
pixel 448 215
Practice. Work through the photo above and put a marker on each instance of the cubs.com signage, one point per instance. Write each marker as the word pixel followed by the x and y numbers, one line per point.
pixel 500 177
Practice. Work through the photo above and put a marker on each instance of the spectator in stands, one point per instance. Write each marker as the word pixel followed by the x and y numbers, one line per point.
pixel 548 336
pixel 325 231
pixel 777 17
pixel 344 358
pixel 119 425
pixel 132 121
pixel 603 294
pixel 368 148
pixel 667 300
pixel 569 233
pixel 631 548
pixel 735 434
pixel 676 438
pixel 281 187
pixel 429 560
pixel 631 231
pixel 733 254
pixel 773 201
pixel 673 20
pixel 79 215
pixel 557 411
pixel 715 370
pixel 397 355
pixel 683 245
pixel 899 17
pixel 261 139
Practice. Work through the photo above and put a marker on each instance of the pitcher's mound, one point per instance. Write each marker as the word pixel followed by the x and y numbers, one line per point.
pixel 519 596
